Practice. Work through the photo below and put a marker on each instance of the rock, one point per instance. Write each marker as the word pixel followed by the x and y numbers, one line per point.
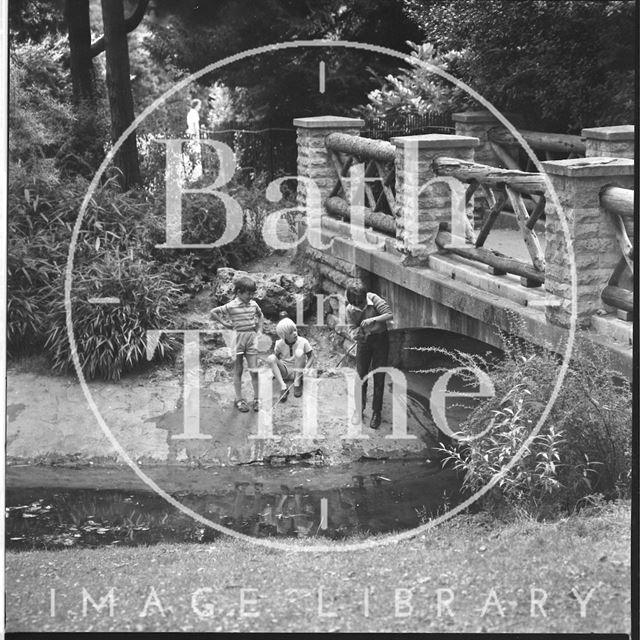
pixel 222 356
pixel 276 291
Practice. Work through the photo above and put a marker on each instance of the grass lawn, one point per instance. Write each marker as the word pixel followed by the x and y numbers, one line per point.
pixel 482 575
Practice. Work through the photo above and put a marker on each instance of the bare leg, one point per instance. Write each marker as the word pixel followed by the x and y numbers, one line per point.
pixel 252 361
pixel 275 365
pixel 237 376
pixel 299 363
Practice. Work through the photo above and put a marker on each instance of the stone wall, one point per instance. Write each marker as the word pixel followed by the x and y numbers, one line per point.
pixel 610 142
pixel 594 248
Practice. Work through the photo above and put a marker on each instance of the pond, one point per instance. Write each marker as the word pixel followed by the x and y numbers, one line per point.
pixel 378 497
pixel 296 496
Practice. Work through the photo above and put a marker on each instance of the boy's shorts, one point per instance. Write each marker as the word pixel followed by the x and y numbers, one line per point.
pixel 246 343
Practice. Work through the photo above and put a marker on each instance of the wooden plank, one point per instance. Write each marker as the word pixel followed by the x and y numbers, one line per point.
pixel 466 171
pixel 530 237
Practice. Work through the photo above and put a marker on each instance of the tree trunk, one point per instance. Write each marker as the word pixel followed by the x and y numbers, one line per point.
pixel 76 14
pixel 119 90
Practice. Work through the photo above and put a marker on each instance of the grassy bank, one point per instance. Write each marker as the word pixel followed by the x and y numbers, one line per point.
pixel 490 576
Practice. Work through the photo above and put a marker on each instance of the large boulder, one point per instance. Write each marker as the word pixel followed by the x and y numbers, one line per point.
pixel 275 292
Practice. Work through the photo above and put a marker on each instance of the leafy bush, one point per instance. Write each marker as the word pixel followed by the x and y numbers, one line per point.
pixel 416 91
pixel 110 338
pixel 115 256
pixel 584 446
pixel 561 65
pixel 43 126
pixel 54 150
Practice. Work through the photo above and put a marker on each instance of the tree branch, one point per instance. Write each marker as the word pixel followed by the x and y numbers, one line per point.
pixel 130 24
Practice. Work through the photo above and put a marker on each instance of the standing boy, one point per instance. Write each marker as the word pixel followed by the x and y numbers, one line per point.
pixel 244 316
pixel 367 314
pixel 291 354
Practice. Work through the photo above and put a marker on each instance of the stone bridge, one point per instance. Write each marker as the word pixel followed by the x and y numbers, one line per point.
pixel 438 226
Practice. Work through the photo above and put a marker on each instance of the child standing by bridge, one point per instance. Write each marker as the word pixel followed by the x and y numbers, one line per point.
pixel 368 313
pixel 244 316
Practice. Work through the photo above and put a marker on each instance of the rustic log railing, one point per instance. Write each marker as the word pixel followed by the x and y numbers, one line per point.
pixel 500 185
pixel 378 157
pixel 618 203
pixel 567 146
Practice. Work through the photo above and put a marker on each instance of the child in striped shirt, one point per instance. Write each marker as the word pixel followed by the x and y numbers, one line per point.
pixel 244 316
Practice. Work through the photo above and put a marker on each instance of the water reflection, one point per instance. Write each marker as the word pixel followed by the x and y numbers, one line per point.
pixel 370 503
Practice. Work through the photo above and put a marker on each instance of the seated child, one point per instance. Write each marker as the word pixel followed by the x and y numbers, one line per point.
pixel 244 316
pixel 291 354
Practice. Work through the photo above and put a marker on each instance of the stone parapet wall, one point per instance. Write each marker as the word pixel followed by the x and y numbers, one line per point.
pixel 477 124
pixel 610 142
pixel 314 160
pixel 422 208
pixel 595 250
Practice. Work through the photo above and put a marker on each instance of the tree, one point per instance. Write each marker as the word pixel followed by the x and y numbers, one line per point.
pixel 280 85
pixel 119 90
pixel 562 65
pixel 114 44
pixel 76 15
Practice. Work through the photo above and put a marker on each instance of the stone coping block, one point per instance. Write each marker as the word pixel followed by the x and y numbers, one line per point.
pixel 594 166
pixel 436 141
pixel 616 133
pixel 328 122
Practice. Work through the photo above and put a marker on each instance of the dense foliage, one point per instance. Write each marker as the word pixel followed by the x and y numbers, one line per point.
pixel 193 34
pixel 52 158
pixel 561 65
pixel 582 449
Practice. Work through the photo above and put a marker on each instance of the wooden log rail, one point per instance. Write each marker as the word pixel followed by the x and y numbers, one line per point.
pixel 509 185
pixel 465 171
pixel 541 141
pixel 365 148
pixel 618 203
pixel 494 259
pixel 339 208
pixel 378 157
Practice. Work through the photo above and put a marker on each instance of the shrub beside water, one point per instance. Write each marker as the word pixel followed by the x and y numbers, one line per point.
pixel 582 449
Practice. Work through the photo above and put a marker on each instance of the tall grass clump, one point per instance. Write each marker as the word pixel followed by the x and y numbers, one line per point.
pixel 582 449
pixel 55 148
